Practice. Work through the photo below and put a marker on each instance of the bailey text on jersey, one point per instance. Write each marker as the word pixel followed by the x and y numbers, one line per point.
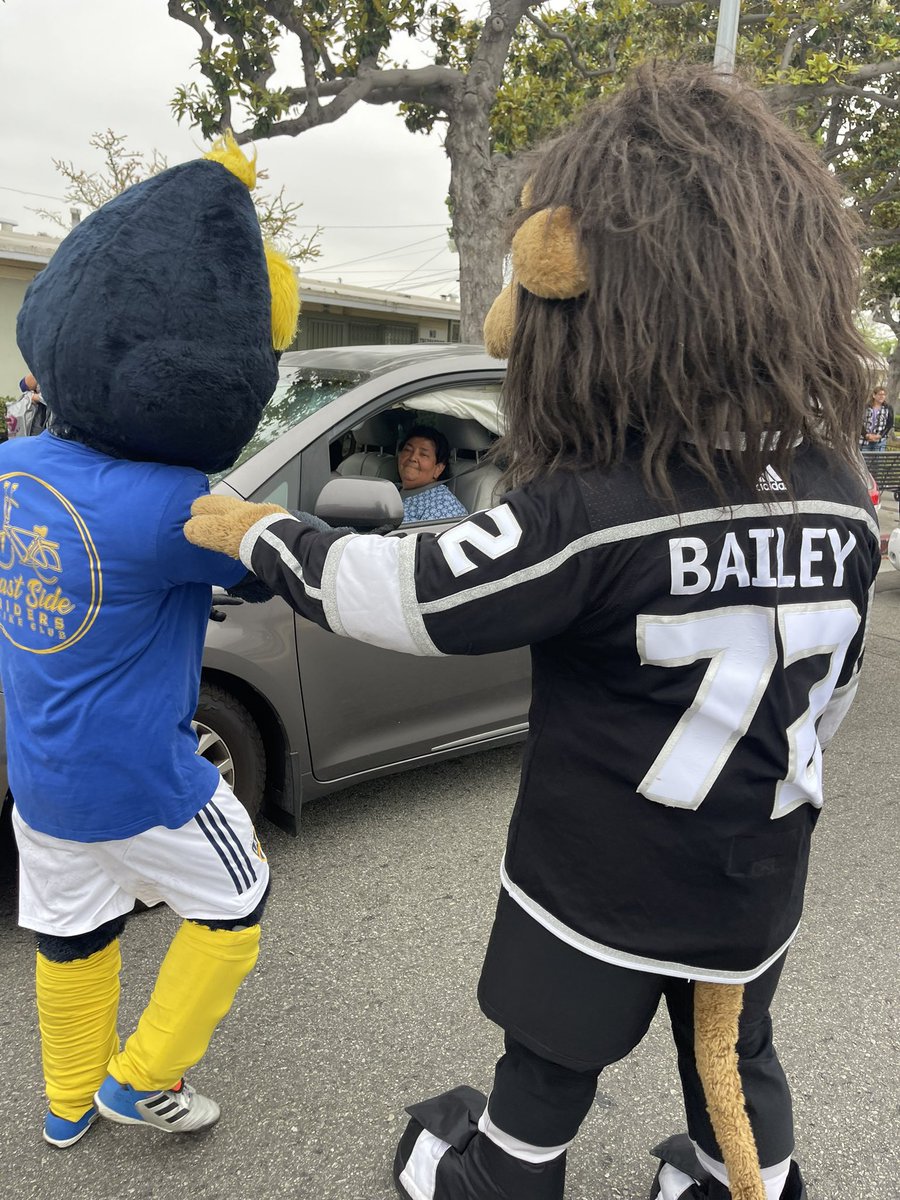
pixel 812 557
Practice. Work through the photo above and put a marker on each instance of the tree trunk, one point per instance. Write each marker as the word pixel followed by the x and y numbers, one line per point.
pixel 892 382
pixel 482 184
pixel 482 194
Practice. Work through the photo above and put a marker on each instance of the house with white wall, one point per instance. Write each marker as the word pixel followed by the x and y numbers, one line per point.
pixel 22 256
pixel 332 313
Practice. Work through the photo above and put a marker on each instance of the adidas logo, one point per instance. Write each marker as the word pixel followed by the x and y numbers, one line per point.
pixel 770 481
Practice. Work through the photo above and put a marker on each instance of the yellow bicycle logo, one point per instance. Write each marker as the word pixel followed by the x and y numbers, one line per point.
pixel 38 612
pixel 31 547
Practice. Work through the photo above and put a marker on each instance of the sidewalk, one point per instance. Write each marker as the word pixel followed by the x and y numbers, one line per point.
pixel 889 520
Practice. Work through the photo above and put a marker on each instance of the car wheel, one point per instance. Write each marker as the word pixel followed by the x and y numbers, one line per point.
pixel 230 740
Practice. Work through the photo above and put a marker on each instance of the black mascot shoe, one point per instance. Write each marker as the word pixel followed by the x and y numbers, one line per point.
pixel 681 1177
pixel 442 1156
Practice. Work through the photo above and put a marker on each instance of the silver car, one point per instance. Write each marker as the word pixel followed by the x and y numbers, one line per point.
pixel 289 711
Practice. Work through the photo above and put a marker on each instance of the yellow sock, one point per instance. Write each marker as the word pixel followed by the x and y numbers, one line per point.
pixel 197 983
pixel 77 1006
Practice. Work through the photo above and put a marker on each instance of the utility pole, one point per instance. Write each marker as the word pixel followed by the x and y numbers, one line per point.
pixel 726 35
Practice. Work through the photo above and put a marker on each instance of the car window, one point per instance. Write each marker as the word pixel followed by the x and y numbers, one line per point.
pixel 301 391
pixel 468 416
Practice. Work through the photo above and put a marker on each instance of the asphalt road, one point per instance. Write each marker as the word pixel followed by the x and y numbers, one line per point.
pixel 364 999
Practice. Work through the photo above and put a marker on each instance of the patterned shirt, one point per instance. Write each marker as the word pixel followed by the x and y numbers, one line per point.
pixel 435 503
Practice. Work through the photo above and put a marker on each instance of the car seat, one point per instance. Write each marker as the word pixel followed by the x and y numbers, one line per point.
pixel 375 455
pixel 474 481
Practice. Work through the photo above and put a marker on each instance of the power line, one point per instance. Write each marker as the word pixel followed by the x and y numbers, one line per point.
pixel 40 195
pixel 415 271
pixel 381 254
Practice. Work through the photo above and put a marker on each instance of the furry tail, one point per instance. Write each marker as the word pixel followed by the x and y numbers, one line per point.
pixel 717 1008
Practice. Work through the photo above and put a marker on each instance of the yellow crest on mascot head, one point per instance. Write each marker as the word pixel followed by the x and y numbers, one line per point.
pixel 282 284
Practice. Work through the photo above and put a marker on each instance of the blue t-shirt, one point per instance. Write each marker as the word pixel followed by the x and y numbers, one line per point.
pixel 103 610
pixel 434 503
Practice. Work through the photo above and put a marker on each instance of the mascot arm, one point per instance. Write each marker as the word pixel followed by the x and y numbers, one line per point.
pixel 501 579
pixel 253 590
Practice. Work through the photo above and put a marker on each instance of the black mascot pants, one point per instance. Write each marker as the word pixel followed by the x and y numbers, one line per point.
pixel 566 1016
pixel 580 1013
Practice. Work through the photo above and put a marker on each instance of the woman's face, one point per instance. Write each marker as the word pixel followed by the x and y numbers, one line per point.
pixel 417 463
pixel 878 398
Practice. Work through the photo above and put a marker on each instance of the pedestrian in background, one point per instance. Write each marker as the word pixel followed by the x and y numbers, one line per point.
pixel 27 416
pixel 877 423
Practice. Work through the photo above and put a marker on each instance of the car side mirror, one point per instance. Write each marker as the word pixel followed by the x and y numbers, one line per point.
pixel 364 504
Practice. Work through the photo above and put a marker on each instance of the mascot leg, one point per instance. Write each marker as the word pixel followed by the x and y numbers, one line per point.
pixel 77 988
pixel 736 1097
pixel 197 983
pixel 459 1146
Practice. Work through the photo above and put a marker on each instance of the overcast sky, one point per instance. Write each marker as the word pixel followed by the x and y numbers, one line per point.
pixel 70 68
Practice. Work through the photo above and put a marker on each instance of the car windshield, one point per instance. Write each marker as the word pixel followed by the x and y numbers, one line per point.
pixel 301 391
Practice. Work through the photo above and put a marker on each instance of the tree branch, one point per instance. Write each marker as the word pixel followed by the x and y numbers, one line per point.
pixel 180 13
pixel 553 35
pixel 790 95
pixel 431 84
pixel 791 43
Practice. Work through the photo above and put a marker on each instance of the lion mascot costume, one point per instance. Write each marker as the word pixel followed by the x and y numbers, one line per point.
pixel 687 546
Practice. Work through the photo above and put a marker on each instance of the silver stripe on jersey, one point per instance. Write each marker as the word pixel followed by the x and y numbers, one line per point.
pixel 638 529
pixel 372 593
pixel 248 541
pixel 835 710
pixel 419 1174
pixel 621 958
pixel 329 578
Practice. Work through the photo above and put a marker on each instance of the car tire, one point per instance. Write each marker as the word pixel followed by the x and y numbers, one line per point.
pixel 231 741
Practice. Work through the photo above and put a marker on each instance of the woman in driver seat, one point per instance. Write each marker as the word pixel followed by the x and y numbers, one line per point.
pixel 421 460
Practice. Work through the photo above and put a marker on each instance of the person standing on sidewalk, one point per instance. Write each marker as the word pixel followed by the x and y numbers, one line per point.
pixel 878 422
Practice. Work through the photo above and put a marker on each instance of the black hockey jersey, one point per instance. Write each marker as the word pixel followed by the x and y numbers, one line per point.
pixel 688 668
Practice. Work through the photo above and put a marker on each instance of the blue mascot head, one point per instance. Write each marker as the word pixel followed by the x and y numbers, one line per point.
pixel 156 327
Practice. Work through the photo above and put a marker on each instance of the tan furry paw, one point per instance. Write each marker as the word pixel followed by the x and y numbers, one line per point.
pixel 220 522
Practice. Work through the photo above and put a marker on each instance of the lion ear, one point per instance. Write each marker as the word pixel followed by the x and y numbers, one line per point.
pixel 547 257
pixel 500 322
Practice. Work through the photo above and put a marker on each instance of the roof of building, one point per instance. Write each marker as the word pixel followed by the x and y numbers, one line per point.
pixel 36 249
pixel 25 249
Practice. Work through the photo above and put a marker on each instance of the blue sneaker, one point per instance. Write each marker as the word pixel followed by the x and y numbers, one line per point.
pixel 61 1133
pixel 175 1110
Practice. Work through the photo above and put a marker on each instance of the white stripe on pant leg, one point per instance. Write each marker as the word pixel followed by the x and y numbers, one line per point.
pixel 774 1178
pixel 672 1183
pixel 420 1171
pixel 524 1151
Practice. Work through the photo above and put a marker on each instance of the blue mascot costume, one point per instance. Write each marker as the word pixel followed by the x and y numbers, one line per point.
pixel 155 333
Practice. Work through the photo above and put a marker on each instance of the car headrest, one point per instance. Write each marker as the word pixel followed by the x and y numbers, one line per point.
pixel 378 430
pixel 462 434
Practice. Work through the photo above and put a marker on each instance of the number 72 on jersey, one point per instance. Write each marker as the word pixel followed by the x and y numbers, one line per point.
pixel 744 659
